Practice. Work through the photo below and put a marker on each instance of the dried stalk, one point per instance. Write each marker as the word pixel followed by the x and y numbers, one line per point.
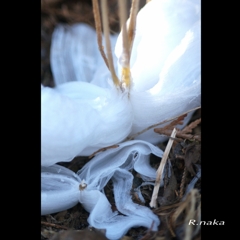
pixel 170 227
pixel 188 207
pixel 198 219
pixel 157 124
pixel 53 225
pixel 132 24
pixel 182 182
pixel 153 202
pixel 123 19
pixel 97 19
pixel 102 150
pixel 125 57
pixel 167 130
pixel 191 213
pixel 106 32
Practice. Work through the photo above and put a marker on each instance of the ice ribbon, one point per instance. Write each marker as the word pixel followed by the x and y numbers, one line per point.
pixel 78 118
pixel 60 188
pixel 165 62
pixel 75 55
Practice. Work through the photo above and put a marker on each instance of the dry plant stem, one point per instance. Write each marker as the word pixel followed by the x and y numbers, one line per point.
pixel 171 229
pixel 53 225
pixel 125 57
pixel 102 149
pixel 190 215
pixel 153 202
pixel 123 19
pixel 191 126
pixel 107 40
pixel 182 182
pixel 198 218
pixel 157 124
pixel 96 13
pixel 188 205
pixel 132 24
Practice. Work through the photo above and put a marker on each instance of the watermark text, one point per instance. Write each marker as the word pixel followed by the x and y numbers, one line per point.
pixel 215 222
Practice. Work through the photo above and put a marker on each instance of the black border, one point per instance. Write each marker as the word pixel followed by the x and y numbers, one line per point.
pixel 21 106
pixel 219 156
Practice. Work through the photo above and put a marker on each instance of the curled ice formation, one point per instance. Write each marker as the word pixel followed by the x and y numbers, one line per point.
pixel 75 56
pixel 78 118
pixel 165 62
pixel 61 188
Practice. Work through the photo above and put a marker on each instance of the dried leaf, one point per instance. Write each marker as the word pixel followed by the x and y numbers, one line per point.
pixel 188 136
pixel 182 134
pixel 191 126
pixel 167 130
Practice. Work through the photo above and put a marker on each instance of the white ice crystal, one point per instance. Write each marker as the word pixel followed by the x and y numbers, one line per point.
pixel 62 188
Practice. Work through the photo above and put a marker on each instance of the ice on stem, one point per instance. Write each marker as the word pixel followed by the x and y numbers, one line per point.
pixel 165 63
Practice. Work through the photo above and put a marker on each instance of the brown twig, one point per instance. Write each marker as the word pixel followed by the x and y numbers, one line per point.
pixel 103 149
pixel 170 226
pixel 184 133
pixel 183 182
pixel 98 26
pixel 125 57
pixel 188 207
pixel 191 126
pixel 167 130
pixel 132 24
pixel 53 225
pixel 153 202
pixel 191 213
pixel 188 136
pixel 179 134
pixel 123 19
pixel 157 124
pixel 171 125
